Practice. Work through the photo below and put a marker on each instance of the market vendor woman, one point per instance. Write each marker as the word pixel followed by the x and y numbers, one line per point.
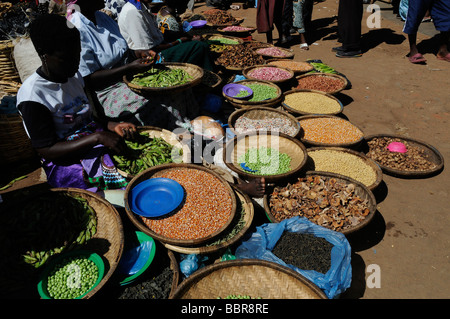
pixel 58 117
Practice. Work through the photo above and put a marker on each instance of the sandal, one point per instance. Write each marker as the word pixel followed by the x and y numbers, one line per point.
pixel 304 46
pixel 444 58
pixel 417 58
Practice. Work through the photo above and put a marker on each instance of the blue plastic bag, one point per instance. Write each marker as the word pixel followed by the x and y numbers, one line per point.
pixel 338 277
pixel 190 263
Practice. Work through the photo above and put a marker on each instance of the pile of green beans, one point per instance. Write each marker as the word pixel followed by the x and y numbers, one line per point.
pixel 158 78
pixel 266 161
pixel 72 278
pixel 146 152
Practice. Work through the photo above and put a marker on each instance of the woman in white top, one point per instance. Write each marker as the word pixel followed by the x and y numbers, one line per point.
pixel 139 28
pixel 106 58
pixel 73 143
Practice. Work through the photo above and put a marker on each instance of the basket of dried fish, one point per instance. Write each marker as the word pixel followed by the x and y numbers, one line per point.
pixel 333 201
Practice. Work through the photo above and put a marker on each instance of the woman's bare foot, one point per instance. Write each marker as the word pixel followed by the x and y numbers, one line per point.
pixel 254 188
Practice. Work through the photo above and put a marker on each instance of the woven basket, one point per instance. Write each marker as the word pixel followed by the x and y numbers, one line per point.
pixel 315 143
pixel 259 112
pixel 238 103
pixel 8 70
pixel 15 144
pixel 360 190
pixel 238 33
pixel 169 137
pixel 371 164
pixel 248 70
pixel 433 155
pixel 248 209
pixel 155 172
pixel 194 71
pixel 109 240
pixel 296 66
pixel 325 75
pixel 213 36
pixel 239 145
pixel 288 54
pixel 247 277
pixel 298 112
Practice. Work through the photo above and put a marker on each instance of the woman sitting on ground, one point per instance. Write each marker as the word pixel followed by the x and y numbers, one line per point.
pixel 58 117
pixel 106 59
pixel 139 28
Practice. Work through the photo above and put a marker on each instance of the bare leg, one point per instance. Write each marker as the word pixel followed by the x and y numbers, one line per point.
pixel 443 49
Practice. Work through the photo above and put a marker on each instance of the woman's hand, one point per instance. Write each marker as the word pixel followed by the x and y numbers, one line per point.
pixel 145 54
pixel 123 129
pixel 112 141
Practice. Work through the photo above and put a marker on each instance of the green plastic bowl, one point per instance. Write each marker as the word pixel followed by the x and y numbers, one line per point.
pixel 97 259
pixel 141 237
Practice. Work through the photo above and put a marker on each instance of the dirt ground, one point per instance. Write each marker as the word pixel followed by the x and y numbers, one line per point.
pixel 407 243
pixel 404 252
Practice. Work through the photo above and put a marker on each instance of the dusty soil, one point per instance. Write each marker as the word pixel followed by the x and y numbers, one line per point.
pixel 404 252
pixel 407 240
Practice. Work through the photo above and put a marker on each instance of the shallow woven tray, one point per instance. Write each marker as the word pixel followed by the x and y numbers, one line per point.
pixel 214 36
pixel 434 156
pixel 241 33
pixel 351 144
pixel 259 112
pixel 169 137
pixel 238 21
pixel 360 189
pixel 194 71
pixel 300 113
pixel 266 103
pixel 293 65
pixel 368 161
pixel 108 242
pixel 207 249
pixel 246 71
pixel 247 277
pixel 343 79
pixel 289 54
pixel 153 172
pixel 239 145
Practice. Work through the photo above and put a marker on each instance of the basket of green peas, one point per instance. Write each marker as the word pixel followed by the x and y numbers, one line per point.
pixel 71 276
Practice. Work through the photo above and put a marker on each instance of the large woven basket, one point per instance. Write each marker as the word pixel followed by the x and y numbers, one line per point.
pixel 298 67
pixel 287 53
pixel 247 277
pixel 15 144
pixel 247 209
pixel 299 112
pixel 430 151
pixel 193 70
pixel 370 164
pixel 156 172
pixel 109 240
pixel 360 190
pixel 239 145
pixel 238 103
pixel 323 75
pixel 311 142
pixel 248 70
pixel 259 112
pixel 8 71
